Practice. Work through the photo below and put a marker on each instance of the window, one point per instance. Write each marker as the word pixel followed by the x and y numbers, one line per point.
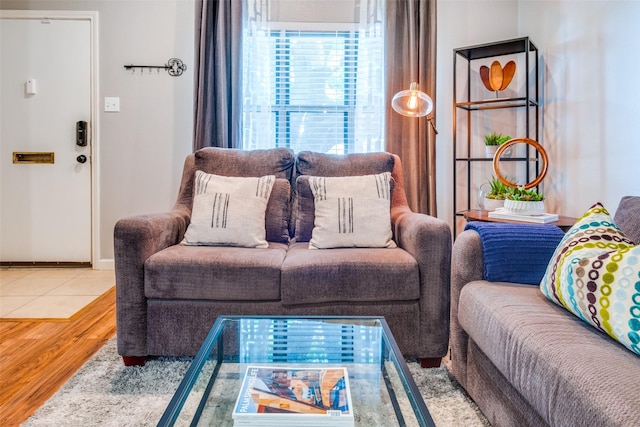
pixel 318 89
pixel 315 90
pixel 295 341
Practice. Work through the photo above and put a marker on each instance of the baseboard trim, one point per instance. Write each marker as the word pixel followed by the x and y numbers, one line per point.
pixel 104 264
pixel 38 264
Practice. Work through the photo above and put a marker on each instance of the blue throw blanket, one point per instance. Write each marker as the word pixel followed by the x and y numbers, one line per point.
pixel 516 253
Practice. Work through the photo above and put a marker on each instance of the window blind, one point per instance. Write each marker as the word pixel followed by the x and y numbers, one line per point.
pixel 295 341
pixel 319 90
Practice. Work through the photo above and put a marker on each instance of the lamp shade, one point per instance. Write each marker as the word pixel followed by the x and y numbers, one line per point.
pixel 412 102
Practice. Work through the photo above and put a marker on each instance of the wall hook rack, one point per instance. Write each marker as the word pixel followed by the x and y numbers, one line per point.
pixel 175 67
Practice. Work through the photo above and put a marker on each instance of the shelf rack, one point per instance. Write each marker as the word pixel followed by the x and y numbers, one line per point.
pixel 469 107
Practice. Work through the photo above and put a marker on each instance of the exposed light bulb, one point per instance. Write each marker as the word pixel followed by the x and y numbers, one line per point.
pixel 413 101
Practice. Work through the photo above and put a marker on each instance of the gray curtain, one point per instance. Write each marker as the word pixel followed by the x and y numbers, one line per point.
pixel 217 85
pixel 412 139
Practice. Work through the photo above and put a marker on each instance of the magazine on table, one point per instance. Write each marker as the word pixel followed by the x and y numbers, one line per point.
pixel 301 396
pixel 544 218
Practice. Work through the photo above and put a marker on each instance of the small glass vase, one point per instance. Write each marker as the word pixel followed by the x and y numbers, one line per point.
pixel 485 203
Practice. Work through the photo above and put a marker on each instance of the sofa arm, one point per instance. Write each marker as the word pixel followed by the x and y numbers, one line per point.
pixel 136 239
pixel 428 240
pixel 466 267
pixel 496 252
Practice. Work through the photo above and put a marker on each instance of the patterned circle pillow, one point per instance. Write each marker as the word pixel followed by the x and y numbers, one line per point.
pixel 595 274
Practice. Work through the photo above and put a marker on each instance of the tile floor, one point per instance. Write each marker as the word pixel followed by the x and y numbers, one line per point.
pixel 50 293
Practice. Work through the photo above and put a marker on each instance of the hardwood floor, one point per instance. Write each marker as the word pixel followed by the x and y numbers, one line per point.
pixel 37 358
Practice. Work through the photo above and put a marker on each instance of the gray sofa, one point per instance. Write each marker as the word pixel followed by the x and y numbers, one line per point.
pixel 169 295
pixel 528 362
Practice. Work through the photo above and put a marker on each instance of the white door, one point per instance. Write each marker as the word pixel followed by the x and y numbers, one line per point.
pixel 45 73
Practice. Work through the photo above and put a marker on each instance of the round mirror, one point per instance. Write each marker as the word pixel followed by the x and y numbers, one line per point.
pixel 505 146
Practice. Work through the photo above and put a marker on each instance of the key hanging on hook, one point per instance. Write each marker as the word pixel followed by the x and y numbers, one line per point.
pixel 175 67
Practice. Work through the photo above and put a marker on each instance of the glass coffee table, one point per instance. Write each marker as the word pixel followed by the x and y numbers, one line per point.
pixel 382 389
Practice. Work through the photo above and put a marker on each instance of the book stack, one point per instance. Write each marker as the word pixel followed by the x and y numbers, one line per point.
pixel 502 213
pixel 301 396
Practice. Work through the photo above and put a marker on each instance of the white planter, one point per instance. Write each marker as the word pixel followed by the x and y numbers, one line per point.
pixel 492 204
pixel 490 150
pixel 519 207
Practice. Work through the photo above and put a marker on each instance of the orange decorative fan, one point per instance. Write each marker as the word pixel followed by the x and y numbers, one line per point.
pixel 497 77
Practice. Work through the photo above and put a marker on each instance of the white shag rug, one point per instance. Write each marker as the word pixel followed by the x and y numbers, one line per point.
pixel 106 393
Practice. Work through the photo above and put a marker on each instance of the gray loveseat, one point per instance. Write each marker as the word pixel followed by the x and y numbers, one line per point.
pixel 169 295
pixel 528 362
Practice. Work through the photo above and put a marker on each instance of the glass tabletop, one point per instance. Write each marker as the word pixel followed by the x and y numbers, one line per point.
pixel 382 390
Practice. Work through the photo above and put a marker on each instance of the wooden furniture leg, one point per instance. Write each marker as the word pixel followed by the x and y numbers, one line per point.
pixel 134 360
pixel 430 362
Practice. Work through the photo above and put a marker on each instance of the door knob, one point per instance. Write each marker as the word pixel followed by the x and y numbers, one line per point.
pixel 81 158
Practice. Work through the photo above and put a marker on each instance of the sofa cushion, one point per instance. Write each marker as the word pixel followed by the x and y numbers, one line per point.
pixel 565 369
pixel 278 212
pixel 352 211
pixel 304 208
pixel 345 275
pixel 236 162
pixel 594 274
pixel 215 273
pixel 319 164
pixel 229 210
pixel 627 217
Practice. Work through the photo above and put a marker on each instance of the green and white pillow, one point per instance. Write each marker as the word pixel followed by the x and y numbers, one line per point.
pixel 352 211
pixel 229 211
pixel 595 274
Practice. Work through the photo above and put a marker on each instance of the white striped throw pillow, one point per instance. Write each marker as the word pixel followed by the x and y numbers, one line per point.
pixel 352 211
pixel 229 211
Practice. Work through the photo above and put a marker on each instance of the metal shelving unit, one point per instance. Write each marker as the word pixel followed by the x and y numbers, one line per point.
pixel 469 108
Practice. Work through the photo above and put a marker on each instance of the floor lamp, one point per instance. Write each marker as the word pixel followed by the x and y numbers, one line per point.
pixel 414 102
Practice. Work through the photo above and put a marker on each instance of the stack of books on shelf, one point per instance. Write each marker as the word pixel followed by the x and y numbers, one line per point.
pixel 301 396
pixel 502 213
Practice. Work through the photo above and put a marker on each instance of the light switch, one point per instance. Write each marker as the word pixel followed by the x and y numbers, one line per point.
pixel 30 87
pixel 112 104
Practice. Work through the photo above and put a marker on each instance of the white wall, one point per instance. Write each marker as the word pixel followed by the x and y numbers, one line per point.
pixel 461 24
pixel 141 148
pixel 590 88
pixel 591 91
pixel 590 125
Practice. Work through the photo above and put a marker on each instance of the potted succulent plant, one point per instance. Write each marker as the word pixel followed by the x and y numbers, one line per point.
pixel 523 201
pixel 492 194
pixel 492 141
